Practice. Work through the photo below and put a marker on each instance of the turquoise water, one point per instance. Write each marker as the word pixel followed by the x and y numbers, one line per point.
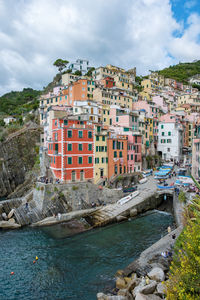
pixel 74 267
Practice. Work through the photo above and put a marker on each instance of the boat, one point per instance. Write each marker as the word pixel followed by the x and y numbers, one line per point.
pixel 146 173
pixel 127 198
pixel 130 189
pixel 143 180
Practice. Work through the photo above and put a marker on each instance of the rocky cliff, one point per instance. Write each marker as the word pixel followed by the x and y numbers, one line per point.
pixel 17 157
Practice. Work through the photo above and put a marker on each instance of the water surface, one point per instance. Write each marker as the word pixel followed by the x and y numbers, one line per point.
pixel 75 267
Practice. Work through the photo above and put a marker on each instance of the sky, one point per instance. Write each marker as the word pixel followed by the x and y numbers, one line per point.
pixel 146 34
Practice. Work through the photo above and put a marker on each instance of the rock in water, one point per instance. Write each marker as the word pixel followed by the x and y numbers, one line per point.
pixel 4 216
pixel 11 213
pixel 120 283
pixel 156 274
pixel 133 212
pixel 11 221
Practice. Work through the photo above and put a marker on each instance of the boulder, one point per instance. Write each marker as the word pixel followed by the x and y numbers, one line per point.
pixel 156 274
pixel 11 221
pixel 102 296
pixel 9 225
pixel 145 289
pixel 125 293
pixel 11 213
pixel 119 273
pixel 4 216
pixel 133 212
pixel 140 296
pixel 127 280
pixel 134 282
pixel 160 290
pixel 116 298
pixel 120 283
pixel 121 218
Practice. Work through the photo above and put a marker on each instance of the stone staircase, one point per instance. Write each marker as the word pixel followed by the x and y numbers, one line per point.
pixel 103 216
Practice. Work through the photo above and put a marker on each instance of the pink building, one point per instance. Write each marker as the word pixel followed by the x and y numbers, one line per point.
pixel 124 118
pixel 159 101
pixel 134 153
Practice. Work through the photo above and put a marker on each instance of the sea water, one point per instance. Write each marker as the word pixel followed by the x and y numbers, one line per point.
pixel 76 267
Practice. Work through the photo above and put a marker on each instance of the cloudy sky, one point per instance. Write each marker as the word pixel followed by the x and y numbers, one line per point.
pixel 148 34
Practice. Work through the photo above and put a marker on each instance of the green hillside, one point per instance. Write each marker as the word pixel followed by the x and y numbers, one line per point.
pixel 18 103
pixel 182 71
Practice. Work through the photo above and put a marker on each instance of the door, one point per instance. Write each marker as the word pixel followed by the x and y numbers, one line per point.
pixel 73 176
pixel 101 173
pixel 82 175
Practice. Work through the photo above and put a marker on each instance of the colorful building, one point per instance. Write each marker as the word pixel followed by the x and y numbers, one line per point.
pixel 101 154
pixel 71 150
pixel 117 155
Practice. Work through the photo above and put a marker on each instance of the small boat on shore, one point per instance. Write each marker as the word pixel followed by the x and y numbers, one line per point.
pixel 128 198
pixel 147 173
pixel 143 180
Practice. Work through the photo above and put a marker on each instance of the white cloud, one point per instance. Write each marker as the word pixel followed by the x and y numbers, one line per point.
pixel 127 33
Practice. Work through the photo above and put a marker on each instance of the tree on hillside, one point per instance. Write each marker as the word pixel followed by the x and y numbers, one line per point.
pixel 78 73
pixel 60 64
pixel 89 73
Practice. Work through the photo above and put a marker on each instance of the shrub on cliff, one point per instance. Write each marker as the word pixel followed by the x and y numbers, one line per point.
pixel 184 279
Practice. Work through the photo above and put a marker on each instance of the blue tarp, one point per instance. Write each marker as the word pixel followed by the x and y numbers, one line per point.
pixel 161 187
pixel 167 167
pixel 161 173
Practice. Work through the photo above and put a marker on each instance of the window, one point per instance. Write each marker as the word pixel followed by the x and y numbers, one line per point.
pixel 97 160
pixel 80 133
pixel 131 156
pixel 114 145
pixel 168 149
pixel 80 160
pixel 162 126
pixel 89 147
pixel 115 169
pixel 117 119
pixel 115 153
pixel 97 148
pixel 90 134
pixel 97 138
pixel 163 133
pixel 69 160
pixel 169 141
pixel 89 159
pixel 69 133
pixel 83 89
pixel 169 133
pixel 65 122
pixel 55 122
pixel 103 138
pixel 120 154
pixel 80 147
pixel 69 147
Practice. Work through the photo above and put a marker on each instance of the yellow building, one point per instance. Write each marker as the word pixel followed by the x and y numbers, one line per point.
pixel 145 95
pixel 123 81
pixel 106 115
pixel 101 154
pixel 113 97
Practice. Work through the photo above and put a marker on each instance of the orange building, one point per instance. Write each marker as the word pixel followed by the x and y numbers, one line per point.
pixel 71 150
pixel 117 155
